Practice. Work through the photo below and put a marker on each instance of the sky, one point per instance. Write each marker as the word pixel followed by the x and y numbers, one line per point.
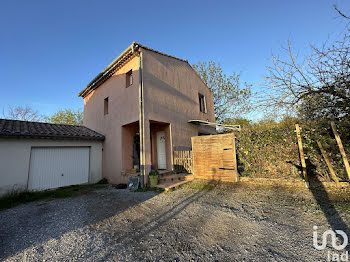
pixel 50 50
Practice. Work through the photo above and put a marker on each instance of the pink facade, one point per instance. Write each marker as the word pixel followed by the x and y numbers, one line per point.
pixel 171 90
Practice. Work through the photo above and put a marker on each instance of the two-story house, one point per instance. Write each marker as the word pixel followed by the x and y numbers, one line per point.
pixel 142 102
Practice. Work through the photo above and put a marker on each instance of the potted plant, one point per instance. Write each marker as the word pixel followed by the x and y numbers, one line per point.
pixel 153 177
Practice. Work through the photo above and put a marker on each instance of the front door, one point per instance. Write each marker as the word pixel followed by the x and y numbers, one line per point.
pixel 161 153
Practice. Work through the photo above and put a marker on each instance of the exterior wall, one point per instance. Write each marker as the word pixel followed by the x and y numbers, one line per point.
pixel 171 90
pixel 123 109
pixel 15 160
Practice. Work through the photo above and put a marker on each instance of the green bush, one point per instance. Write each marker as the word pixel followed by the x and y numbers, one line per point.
pixel 269 149
pixel 153 173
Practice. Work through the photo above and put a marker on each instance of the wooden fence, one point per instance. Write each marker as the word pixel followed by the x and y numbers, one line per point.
pixel 183 161
pixel 214 157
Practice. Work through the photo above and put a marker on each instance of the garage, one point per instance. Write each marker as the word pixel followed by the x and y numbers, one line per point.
pixel 52 167
pixel 38 156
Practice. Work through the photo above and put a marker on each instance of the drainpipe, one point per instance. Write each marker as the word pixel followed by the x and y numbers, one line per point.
pixel 141 120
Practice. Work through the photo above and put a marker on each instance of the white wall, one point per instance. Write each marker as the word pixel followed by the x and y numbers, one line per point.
pixel 15 158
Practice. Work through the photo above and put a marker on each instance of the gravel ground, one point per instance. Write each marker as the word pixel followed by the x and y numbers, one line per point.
pixel 221 224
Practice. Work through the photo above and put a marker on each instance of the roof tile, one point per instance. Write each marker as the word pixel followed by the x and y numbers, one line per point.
pixel 17 128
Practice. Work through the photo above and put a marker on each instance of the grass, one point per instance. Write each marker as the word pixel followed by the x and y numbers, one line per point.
pixel 298 197
pixel 343 206
pixel 16 198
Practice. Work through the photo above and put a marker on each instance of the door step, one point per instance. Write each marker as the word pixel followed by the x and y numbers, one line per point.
pixel 174 178
pixel 171 182
pixel 163 173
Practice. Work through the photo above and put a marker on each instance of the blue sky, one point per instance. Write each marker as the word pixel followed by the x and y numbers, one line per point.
pixel 49 50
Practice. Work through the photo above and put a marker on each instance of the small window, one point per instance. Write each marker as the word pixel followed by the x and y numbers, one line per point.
pixel 129 79
pixel 202 103
pixel 105 106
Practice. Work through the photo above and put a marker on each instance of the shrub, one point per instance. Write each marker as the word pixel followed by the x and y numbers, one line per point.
pixel 269 149
pixel 153 173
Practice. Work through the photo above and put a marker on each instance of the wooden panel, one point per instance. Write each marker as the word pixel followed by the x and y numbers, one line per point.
pixel 214 157
pixel 341 148
pixel 183 161
pixel 301 152
pixel 329 164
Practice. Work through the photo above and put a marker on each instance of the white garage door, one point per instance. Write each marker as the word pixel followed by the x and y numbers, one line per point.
pixel 53 167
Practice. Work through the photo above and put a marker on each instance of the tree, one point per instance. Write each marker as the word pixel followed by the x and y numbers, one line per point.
pixel 316 87
pixel 67 116
pixel 24 113
pixel 230 99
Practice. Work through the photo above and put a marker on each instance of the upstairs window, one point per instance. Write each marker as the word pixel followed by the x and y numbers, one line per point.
pixel 129 78
pixel 202 103
pixel 105 109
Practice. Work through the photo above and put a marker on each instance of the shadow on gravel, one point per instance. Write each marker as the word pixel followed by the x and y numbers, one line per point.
pixel 37 222
pixel 144 230
pixel 172 212
pixel 321 196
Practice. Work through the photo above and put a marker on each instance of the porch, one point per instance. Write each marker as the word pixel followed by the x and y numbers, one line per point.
pixel 158 149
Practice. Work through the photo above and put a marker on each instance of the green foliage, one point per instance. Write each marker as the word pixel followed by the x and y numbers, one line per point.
pixel 312 132
pixel 269 149
pixel 17 197
pixel 153 172
pixel 237 121
pixel 67 117
pixel 230 98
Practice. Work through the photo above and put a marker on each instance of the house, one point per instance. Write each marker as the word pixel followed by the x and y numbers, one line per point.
pixel 39 156
pixel 142 102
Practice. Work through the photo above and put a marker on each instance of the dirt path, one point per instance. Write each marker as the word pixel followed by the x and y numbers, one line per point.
pixel 220 224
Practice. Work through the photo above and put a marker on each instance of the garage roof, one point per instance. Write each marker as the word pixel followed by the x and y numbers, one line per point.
pixel 27 129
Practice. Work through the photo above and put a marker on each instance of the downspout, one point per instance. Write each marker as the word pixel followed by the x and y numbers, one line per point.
pixel 141 119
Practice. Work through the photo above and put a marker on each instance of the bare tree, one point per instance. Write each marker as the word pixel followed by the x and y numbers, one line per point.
pixel 341 13
pixel 25 113
pixel 324 75
pixel 318 85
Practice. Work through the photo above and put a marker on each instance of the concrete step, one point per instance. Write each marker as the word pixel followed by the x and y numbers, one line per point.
pixel 172 186
pixel 174 178
pixel 163 173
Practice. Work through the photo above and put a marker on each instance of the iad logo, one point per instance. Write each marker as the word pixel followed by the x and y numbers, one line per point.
pixel 332 256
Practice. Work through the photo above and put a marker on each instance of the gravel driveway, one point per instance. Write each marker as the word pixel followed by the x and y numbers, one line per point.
pixel 236 224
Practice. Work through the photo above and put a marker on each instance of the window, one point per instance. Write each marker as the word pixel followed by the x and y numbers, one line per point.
pixel 105 110
pixel 129 79
pixel 202 103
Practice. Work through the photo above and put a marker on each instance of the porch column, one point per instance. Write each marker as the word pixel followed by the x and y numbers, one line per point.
pixel 147 149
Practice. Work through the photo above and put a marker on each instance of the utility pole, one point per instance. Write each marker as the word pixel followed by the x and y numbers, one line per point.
pixel 141 119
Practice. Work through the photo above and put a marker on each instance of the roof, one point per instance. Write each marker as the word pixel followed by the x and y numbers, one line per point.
pixel 116 64
pixel 207 123
pixel 27 129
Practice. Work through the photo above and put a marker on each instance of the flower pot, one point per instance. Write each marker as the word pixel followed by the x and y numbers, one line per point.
pixel 153 180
